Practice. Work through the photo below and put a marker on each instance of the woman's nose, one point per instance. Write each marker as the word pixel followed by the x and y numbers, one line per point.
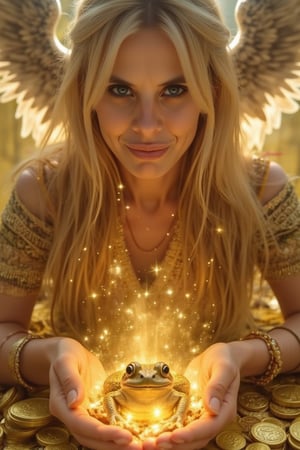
pixel 148 118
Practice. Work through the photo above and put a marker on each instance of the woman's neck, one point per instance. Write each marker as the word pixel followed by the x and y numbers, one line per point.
pixel 152 195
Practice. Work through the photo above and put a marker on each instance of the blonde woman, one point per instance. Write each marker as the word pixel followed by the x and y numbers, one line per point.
pixel 144 227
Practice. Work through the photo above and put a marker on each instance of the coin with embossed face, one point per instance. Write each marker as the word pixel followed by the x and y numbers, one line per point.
pixel 52 435
pixel 10 396
pixel 253 401
pixel 230 440
pixel 246 422
pixel 287 395
pixel 283 412
pixel 258 446
pixel 293 445
pixel 274 420
pixel 295 431
pixel 32 412
pixel 268 433
pixel 68 446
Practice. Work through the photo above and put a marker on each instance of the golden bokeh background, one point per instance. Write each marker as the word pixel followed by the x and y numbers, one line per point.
pixel 283 145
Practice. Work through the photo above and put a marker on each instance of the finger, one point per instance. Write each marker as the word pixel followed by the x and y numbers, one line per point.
pixel 69 379
pixel 80 423
pixel 218 387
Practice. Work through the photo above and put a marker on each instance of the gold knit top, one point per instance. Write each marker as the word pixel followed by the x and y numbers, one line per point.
pixel 129 310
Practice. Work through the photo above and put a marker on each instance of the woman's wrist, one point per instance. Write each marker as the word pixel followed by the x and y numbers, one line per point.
pixel 251 356
pixel 36 359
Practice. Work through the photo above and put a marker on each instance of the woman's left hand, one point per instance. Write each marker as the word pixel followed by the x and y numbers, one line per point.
pixel 218 376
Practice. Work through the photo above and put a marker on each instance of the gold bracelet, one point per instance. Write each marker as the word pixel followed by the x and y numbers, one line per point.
pixel 13 333
pixel 297 339
pixel 14 359
pixel 289 331
pixel 275 362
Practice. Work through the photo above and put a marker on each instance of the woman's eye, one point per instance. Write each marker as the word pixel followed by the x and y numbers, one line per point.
pixel 174 91
pixel 120 91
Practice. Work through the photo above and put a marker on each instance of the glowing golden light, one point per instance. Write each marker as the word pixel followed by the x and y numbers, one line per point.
pixel 156 269
pixel 157 413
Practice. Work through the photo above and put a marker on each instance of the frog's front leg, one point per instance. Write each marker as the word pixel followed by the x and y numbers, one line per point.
pixel 177 419
pixel 110 405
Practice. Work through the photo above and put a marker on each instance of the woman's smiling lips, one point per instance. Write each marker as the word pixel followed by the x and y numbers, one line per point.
pixel 148 151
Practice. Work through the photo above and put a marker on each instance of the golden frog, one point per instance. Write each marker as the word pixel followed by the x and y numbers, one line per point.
pixel 146 394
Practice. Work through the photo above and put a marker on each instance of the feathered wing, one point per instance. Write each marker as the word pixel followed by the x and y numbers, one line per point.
pixel 266 53
pixel 31 60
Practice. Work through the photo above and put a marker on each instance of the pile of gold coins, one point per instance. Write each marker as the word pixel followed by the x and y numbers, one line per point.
pixel 268 418
pixel 26 422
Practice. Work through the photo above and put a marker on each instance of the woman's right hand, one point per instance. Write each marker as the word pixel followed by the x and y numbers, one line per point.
pixel 74 373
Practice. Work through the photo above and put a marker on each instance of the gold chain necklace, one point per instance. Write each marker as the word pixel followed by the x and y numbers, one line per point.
pixel 158 245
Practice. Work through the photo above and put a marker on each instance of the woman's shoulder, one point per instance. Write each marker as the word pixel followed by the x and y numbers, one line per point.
pixel 275 180
pixel 270 179
pixel 33 189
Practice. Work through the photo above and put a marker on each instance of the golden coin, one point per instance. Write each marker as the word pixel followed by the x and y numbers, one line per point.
pixel 31 412
pixel 273 420
pixel 246 422
pixel 287 395
pixel 293 444
pixel 68 446
pixel 258 446
pixel 230 440
pixel 52 436
pixel 17 446
pixel 17 433
pixel 11 396
pixel 283 412
pixel 268 433
pixel 253 401
pixel 295 431
pixel 258 414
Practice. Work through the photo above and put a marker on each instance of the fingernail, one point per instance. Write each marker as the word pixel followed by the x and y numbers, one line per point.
pixel 215 405
pixel 121 441
pixel 178 441
pixel 71 397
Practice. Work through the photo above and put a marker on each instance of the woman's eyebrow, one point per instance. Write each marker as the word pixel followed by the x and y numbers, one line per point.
pixel 178 79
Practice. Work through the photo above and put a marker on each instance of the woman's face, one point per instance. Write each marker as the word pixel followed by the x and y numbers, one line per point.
pixel 147 115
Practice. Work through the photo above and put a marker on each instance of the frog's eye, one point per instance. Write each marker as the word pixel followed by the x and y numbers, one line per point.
pixel 165 369
pixel 130 369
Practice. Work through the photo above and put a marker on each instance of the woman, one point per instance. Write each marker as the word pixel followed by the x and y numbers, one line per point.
pixel 146 224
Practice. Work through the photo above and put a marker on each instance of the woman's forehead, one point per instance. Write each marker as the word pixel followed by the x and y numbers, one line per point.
pixel 150 53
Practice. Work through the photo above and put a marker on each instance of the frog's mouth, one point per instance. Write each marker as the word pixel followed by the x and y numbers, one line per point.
pixel 147 384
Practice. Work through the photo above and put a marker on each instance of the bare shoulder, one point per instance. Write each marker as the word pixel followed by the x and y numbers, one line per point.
pixel 276 180
pixel 32 192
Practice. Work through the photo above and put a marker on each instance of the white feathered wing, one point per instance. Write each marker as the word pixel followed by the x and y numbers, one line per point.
pixel 31 60
pixel 266 53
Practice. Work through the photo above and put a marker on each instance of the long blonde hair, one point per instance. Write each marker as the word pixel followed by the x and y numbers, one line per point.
pixel 218 211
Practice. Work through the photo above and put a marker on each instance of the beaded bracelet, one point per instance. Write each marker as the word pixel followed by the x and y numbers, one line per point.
pixel 14 359
pixel 275 362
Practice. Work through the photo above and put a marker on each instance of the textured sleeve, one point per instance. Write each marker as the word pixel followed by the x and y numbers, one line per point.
pixel 25 242
pixel 283 220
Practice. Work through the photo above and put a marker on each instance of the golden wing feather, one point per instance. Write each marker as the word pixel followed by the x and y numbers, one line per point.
pixel 31 60
pixel 266 54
